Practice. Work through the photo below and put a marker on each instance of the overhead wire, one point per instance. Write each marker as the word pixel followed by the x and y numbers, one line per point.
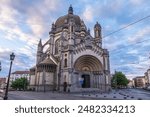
pixel 126 26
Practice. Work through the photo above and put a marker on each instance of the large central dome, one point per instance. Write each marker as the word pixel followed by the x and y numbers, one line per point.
pixel 65 19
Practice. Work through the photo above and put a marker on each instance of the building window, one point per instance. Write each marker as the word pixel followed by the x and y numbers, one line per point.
pixel 56 46
pixel 65 62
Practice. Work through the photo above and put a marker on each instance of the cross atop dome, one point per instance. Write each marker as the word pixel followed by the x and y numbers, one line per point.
pixel 70 10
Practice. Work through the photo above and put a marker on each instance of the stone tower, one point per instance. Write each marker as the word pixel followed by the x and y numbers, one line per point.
pixel 97 34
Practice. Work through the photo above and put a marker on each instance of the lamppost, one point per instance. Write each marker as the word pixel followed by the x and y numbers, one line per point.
pixel 12 56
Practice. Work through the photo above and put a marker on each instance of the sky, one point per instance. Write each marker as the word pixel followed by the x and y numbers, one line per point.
pixel 24 22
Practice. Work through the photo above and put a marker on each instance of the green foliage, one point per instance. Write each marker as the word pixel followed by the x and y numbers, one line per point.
pixel 20 83
pixel 119 80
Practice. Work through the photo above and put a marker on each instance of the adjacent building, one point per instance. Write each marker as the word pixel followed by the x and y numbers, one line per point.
pixel 2 82
pixel 19 74
pixel 74 60
pixel 147 77
pixel 140 82
pixel 130 84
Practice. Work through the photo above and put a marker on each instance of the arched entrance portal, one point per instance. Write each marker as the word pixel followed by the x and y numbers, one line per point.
pixel 89 72
pixel 86 81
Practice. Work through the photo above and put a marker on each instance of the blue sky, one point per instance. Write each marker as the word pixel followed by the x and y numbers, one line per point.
pixel 24 22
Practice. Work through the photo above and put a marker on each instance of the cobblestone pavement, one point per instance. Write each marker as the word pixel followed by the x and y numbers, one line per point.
pixel 123 94
pixel 21 95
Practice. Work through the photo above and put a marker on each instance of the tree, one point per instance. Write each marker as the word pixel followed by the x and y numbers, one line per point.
pixel 119 80
pixel 20 83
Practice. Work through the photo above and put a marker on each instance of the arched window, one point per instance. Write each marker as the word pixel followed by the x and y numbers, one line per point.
pixel 56 46
pixel 97 33
pixel 65 62
pixel 71 28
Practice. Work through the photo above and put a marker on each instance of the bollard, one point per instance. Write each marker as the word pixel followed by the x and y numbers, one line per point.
pixel 114 96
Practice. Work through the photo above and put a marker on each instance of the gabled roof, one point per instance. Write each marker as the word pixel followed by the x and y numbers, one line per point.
pixel 47 61
pixel 21 72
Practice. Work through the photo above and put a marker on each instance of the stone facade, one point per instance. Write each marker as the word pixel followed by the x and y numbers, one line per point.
pixel 19 74
pixel 74 60
pixel 140 81
pixel 2 83
pixel 147 77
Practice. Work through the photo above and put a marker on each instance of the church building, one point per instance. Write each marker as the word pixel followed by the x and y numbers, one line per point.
pixel 73 59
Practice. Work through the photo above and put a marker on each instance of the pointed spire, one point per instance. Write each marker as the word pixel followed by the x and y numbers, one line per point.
pixel 88 31
pixel 40 43
pixel 70 10
pixel 53 26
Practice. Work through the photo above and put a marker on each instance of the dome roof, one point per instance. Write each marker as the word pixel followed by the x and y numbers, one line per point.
pixel 65 19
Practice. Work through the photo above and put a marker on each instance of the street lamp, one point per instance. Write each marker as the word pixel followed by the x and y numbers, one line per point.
pixel 12 56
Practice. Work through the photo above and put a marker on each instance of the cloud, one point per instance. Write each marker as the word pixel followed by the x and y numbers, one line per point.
pixel 138 36
pixel 132 52
pixel 36 24
pixel 88 14
pixel 136 2
pixel 51 5
pixel 4 53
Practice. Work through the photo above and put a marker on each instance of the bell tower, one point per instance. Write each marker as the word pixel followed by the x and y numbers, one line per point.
pixel 97 34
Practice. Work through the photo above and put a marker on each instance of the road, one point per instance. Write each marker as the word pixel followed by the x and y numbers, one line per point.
pixel 129 94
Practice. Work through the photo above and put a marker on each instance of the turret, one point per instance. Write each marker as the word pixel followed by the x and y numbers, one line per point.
pixel 39 52
pixel 70 10
pixel 97 34
pixel 88 32
pixel 83 29
pixel 53 28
